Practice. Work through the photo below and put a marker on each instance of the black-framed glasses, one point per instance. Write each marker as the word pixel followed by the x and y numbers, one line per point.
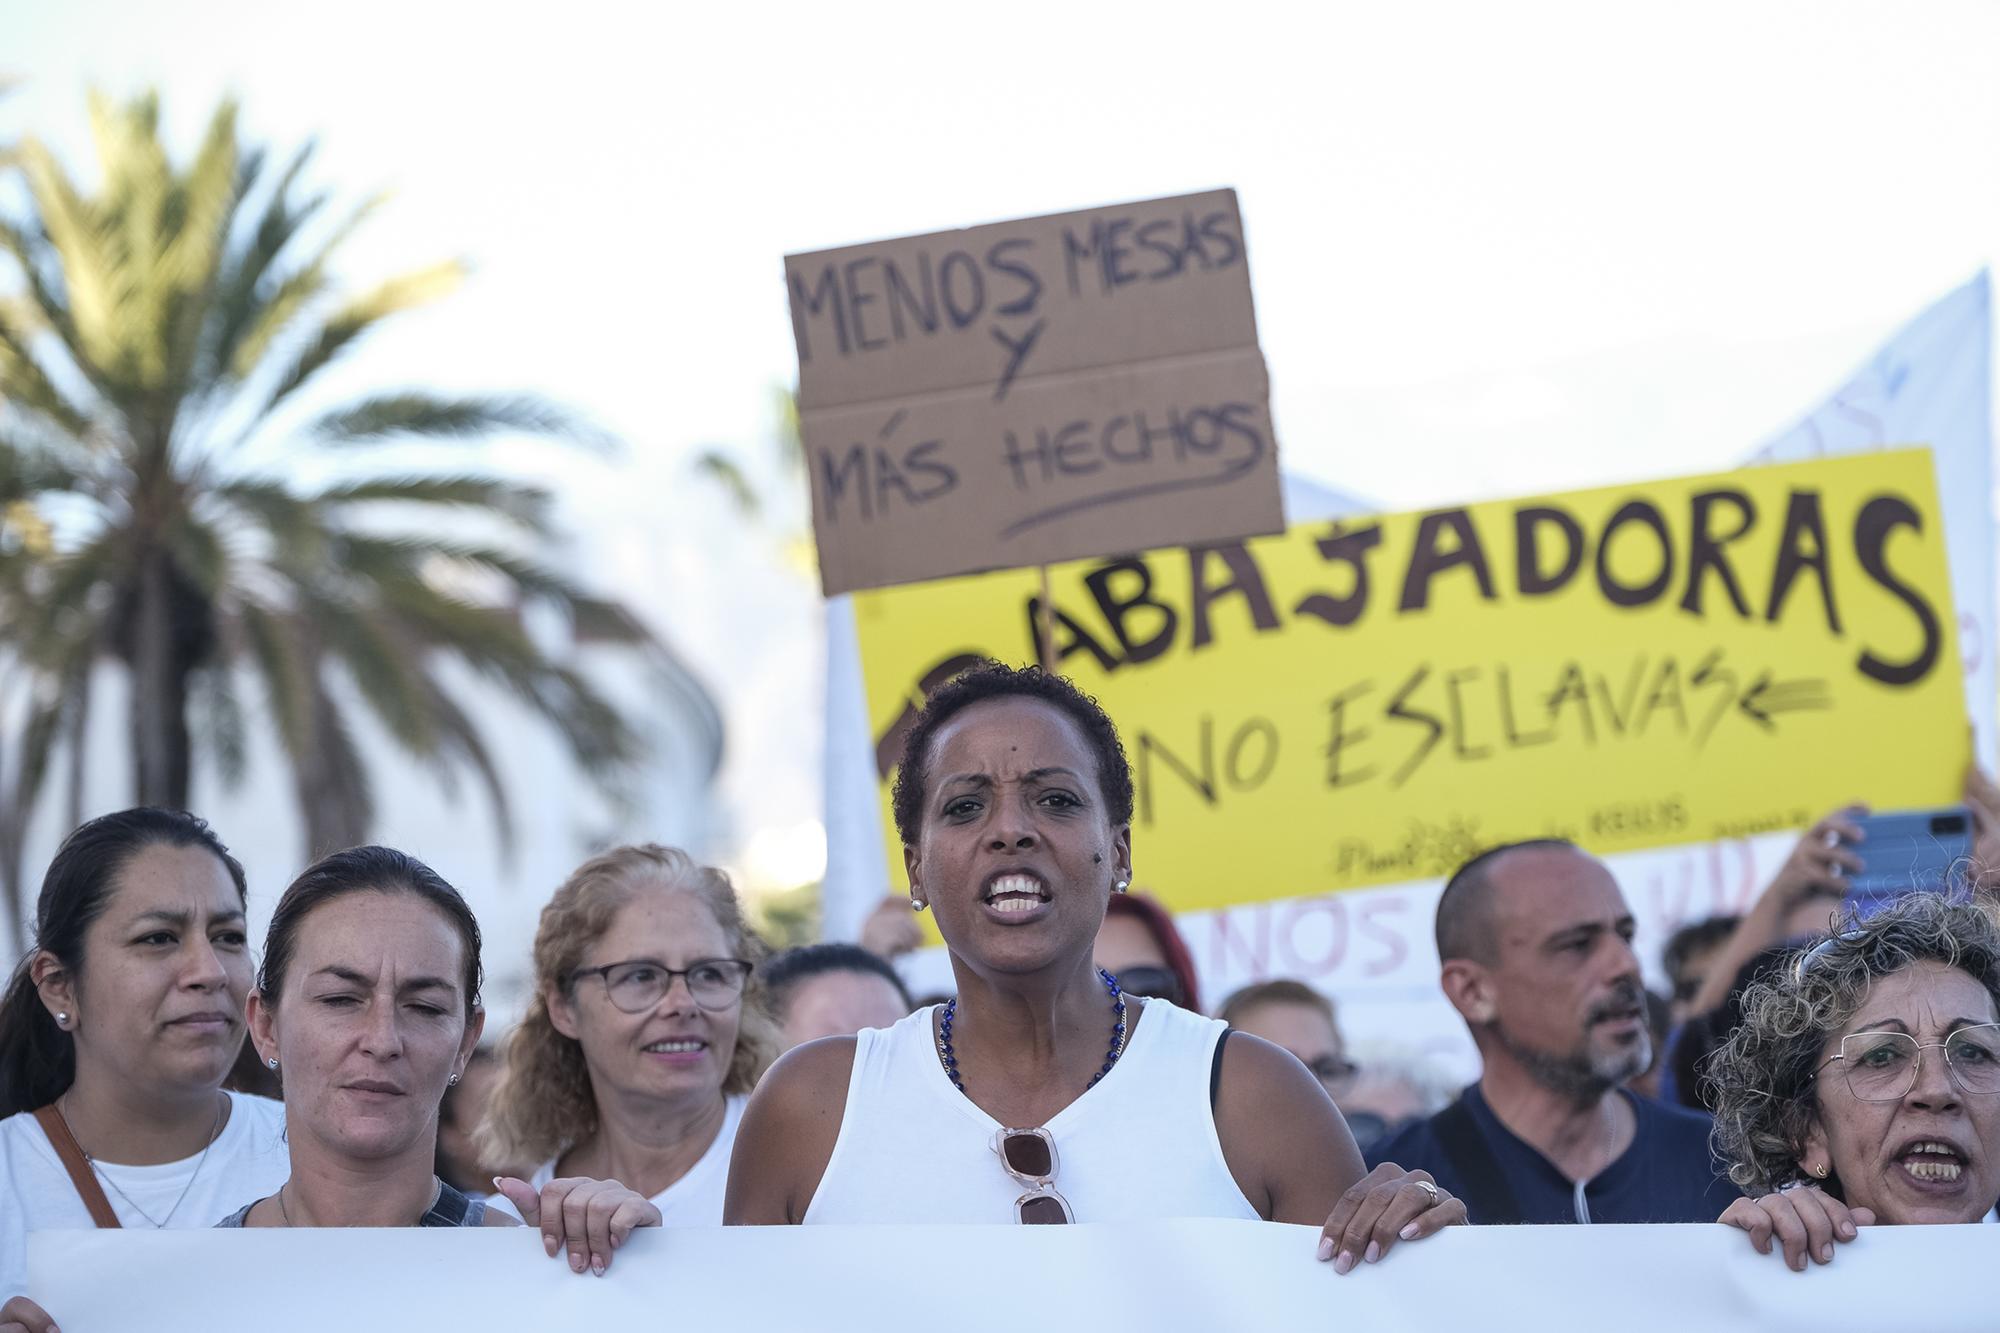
pixel 1152 983
pixel 1030 1157
pixel 638 984
pixel 1334 1071
pixel 1883 1066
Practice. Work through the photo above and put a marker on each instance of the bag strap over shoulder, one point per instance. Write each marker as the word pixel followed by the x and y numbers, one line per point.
pixel 78 1166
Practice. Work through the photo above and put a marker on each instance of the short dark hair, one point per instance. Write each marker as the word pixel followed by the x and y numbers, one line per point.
pixel 785 971
pixel 364 870
pixel 1465 909
pixel 37 1058
pixel 995 680
pixel 1693 938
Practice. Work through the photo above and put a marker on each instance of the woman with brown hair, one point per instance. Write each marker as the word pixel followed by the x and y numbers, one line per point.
pixel 646 1033
pixel 367 1006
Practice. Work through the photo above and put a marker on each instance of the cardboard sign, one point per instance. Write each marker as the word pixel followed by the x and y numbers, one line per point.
pixel 1077 385
pixel 1372 701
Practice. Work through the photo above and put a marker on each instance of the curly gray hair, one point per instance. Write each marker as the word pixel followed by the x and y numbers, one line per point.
pixel 1764 1075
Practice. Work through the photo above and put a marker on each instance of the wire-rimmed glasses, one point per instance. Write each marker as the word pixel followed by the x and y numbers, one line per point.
pixel 637 984
pixel 1883 1066
pixel 1030 1157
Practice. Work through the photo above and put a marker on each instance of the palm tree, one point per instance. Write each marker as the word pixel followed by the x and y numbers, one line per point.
pixel 155 359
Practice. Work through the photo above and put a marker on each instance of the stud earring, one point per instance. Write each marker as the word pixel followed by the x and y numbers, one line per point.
pixel 451 1082
pixel 1121 886
pixel 917 904
pixel 271 1063
pixel 1819 1172
pixel 62 1020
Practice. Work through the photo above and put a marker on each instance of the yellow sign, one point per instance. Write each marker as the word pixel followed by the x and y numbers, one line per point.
pixel 1372 700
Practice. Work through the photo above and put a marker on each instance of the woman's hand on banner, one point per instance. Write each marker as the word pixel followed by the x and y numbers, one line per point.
pixel 1805 1220
pixel 21 1315
pixel 590 1218
pixel 1386 1205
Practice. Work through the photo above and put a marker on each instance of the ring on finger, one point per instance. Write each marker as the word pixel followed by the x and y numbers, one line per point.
pixel 1429 1189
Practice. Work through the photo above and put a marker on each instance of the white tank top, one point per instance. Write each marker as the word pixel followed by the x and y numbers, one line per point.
pixel 1141 1144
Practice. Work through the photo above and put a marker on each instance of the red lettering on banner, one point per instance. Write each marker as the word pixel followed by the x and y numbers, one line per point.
pixel 1255 953
pixel 1297 964
pixel 1389 934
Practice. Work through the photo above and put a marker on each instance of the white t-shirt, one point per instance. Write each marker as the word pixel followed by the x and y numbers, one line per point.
pixel 247 1161
pixel 695 1200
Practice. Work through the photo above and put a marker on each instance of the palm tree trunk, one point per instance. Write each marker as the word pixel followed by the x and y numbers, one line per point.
pixel 79 730
pixel 159 693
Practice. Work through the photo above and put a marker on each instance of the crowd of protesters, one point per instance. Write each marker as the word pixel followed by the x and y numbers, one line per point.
pixel 1810 1072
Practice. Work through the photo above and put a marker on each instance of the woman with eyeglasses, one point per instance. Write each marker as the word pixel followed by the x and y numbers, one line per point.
pixel 367 1008
pixel 1863 1086
pixel 1041 1093
pixel 645 1035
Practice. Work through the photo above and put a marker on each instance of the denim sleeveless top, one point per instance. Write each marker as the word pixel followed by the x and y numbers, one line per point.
pixel 452 1209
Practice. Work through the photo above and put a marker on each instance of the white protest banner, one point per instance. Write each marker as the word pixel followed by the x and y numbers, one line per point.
pixel 1160 1276
pixel 1930 385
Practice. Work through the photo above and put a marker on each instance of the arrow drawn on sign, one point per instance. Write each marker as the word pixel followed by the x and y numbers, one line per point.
pixel 1764 699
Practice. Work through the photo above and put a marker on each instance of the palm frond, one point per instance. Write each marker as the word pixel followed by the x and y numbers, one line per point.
pixel 727 473
pixel 415 415
pixel 23 379
pixel 267 317
pixel 354 319
pixel 523 505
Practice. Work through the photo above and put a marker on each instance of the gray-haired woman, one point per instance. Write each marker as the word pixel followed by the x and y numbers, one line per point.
pixel 1863 1086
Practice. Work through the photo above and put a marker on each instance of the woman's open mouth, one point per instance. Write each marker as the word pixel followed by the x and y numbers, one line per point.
pixel 1932 1163
pixel 1015 894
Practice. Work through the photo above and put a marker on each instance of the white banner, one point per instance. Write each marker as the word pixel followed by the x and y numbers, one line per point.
pixel 1162 1276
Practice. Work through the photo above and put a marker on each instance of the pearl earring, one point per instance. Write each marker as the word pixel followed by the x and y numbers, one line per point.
pixel 62 1020
pixel 918 904
pixel 1122 885
pixel 271 1063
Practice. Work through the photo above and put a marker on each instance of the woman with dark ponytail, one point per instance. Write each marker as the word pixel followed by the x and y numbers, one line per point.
pixel 116 1033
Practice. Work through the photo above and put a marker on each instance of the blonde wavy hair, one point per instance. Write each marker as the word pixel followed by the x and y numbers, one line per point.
pixel 1764 1076
pixel 543 1105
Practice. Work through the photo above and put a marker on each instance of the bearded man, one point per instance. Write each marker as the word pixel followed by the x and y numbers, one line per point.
pixel 1535 942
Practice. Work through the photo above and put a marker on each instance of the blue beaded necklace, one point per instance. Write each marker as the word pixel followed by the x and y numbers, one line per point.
pixel 949 1058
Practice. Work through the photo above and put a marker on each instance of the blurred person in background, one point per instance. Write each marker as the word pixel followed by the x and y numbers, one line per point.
pixel 458 1159
pixel 116 1033
pixel 890 929
pixel 367 1007
pixel 1140 945
pixel 1658 1007
pixel 1690 953
pixel 645 1035
pixel 832 990
pixel 1805 896
pixel 1682 1077
pixel 1535 941
pixel 1293 1015
pixel 1863 1085
pixel 1800 902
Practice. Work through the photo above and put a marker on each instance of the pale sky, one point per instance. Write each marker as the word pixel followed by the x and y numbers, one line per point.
pixel 1495 248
